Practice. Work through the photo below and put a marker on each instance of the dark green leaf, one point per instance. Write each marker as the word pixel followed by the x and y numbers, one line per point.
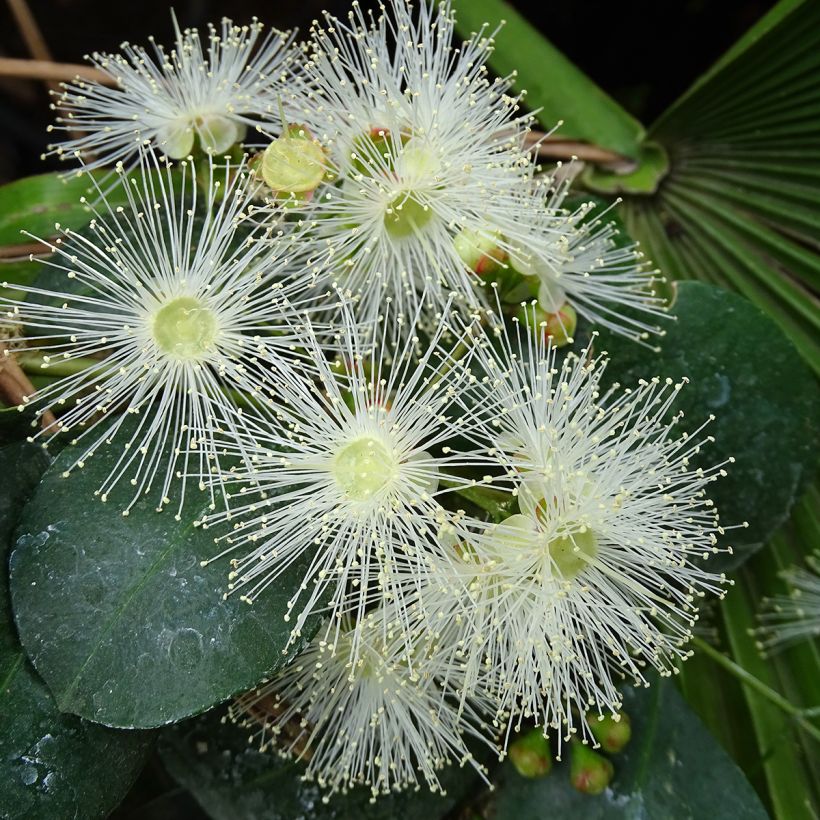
pixel 119 617
pixel 745 371
pixel 672 769
pixel 232 780
pixel 51 765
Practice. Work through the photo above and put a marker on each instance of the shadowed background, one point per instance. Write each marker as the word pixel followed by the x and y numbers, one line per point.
pixel 642 52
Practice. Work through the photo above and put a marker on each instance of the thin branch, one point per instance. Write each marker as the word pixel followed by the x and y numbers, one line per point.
pixel 19 253
pixel 29 30
pixel 15 385
pixel 554 147
pixel 47 70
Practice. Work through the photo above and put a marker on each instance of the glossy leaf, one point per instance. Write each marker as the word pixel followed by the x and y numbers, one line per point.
pixel 51 765
pixel 232 780
pixel 742 369
pixel 34 204
pixel 672 768
pixel 117 614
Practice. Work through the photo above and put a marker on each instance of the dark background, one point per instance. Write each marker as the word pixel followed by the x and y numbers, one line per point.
pixel 643 52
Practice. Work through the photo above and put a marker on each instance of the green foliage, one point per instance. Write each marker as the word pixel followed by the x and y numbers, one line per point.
pixel 51 764
pixel 35 204
pixel 739 205
pixel 672 768
pixel 118 616
pixel 742 369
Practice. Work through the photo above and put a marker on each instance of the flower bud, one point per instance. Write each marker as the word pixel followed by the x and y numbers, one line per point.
pixel 531 754
pixel 557 327
pixel 589 772
pixel 294 164
pixel 480 251
pixel 613 732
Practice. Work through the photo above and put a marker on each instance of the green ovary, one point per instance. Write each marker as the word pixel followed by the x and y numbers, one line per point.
pixel 363 467
pixel 184 328
pixel 573 553
pixel 405 216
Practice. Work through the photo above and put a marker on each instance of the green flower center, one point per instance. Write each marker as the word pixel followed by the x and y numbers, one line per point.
pixel 405 215
pixel 363 467
pixel 184 328
pixel 572 553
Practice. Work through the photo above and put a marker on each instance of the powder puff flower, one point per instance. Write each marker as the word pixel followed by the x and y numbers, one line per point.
pixel 590 266
pixel 427 153
pixel 597 576
pixel 789 619
pixel 204 94
pixel 349 473
pixel 375 723
pixel 160 309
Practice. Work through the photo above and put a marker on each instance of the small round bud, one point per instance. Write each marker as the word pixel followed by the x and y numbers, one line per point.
pixel 558 327
pixel 531 754
pixel 612 732
pixel 480 251
pixel 294 163
pixel 589 772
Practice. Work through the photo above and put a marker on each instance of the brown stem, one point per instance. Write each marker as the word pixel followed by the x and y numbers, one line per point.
pixel 14 253
pixel 47 70
pixel 16 387
pixel 29 30
pixel 553 147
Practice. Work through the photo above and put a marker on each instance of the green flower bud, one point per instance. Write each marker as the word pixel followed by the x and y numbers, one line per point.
pixel 613 732
pixel 480 251
pixel 294 164
pixel 558 327
pixel 531 754
pixel 589 772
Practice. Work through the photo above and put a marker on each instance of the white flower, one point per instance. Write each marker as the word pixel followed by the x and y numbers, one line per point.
pixel 789 619
pixel 349 473
pixel 426 148
pixel 590 265
pixel 374 723
pixel 206 94
pixel 597 576
pixel 159 309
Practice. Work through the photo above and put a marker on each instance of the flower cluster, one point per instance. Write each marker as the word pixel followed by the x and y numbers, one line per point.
pixel 349 340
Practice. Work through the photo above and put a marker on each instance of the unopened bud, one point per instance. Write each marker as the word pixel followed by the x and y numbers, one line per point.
pixel 531 754
pixel 294 164
pixel 480 251
pixel 613 732
pixel 589 772
pixel 558 327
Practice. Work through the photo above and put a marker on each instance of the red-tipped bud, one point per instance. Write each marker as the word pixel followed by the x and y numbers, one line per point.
pixel 613 732
pixel 480 251
pixel 558 327
pixel 531 754
pixel 589 772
